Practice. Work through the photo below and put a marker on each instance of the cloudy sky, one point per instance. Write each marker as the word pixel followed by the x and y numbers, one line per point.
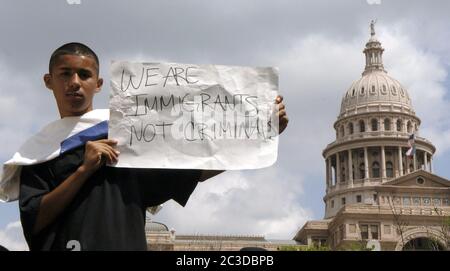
pixel 317 46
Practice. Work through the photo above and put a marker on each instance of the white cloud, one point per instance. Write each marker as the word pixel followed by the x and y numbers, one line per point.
pixel 315 71
pixel 261 202
pixel 423 73
pixel 374 2
pixel 24 107
pixel 314 74
pixel 11 237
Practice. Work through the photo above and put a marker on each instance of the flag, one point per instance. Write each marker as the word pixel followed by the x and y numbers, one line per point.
pixel 53 140
pixel 412 146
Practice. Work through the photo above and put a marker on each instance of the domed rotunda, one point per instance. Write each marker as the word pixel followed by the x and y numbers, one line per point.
pixel 370 175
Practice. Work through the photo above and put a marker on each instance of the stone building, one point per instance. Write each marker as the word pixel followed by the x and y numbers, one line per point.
pixel 374 191
pixel 159 237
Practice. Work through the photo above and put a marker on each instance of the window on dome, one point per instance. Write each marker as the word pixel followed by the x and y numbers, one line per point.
pixel 409 127
pixel 362 126
pixel 384 89
pixel 374 125
pixel 375 170
pixel 402 92
pixel 350 128
pixel 389 170
pixel 361 171
pixel 399 125
pixel 362 91
pixel 373 90
pixel 394 91
pixel 387 124
pixel 353 93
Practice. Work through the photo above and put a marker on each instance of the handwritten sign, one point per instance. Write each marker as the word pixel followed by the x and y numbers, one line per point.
pixel 170 115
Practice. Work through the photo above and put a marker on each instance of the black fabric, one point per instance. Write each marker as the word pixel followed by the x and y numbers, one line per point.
pixel 108 213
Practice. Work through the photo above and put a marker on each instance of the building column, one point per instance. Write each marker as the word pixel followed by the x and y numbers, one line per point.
pixel 415 161
pixel 400 161
pixel 338 169
pixel 431 163
pixel 383 165
pixel 328 172
pixel 350 167
pixel 366 164
pixel 425 161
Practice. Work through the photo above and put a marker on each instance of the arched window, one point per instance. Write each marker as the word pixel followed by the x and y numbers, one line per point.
pixel 389 170
pixel 399 125
pixel 387 124
pixel 409 127
pixel 375 170
pixel 394 91
pixel 374 123
pixel 362 171
pixel 373 90
pixel 362 126
pixel 350 128
pixel 353 93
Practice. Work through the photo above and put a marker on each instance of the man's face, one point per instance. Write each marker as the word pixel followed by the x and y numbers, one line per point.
pixel 74 81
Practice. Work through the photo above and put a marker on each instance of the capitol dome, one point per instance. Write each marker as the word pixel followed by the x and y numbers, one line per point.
pixel 375 87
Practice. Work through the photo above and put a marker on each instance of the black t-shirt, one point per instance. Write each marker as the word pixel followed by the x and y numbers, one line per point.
pixel 108 213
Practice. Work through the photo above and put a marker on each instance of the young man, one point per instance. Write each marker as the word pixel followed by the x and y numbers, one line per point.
pixel 72 199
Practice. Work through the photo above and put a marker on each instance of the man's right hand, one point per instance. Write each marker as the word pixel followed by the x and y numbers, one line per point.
pixel 98 152
pixel 53 203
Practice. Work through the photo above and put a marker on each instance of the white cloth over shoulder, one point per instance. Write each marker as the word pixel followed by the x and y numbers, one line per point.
pixel 44 146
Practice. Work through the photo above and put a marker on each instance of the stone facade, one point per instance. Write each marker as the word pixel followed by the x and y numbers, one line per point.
pixel 160 238
pixel 374 191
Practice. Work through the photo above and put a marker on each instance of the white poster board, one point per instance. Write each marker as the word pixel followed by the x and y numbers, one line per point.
pixel 170 115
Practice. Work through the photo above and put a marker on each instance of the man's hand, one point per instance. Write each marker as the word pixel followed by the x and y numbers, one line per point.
pixel 53 203
pixel 281 113
pixel 98 152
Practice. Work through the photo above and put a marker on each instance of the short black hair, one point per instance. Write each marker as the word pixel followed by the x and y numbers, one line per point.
pixel 73 48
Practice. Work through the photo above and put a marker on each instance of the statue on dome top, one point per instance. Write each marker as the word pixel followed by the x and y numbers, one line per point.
pixel 372 27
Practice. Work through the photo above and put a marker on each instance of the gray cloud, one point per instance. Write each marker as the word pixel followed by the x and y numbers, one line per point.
pixel 317 45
